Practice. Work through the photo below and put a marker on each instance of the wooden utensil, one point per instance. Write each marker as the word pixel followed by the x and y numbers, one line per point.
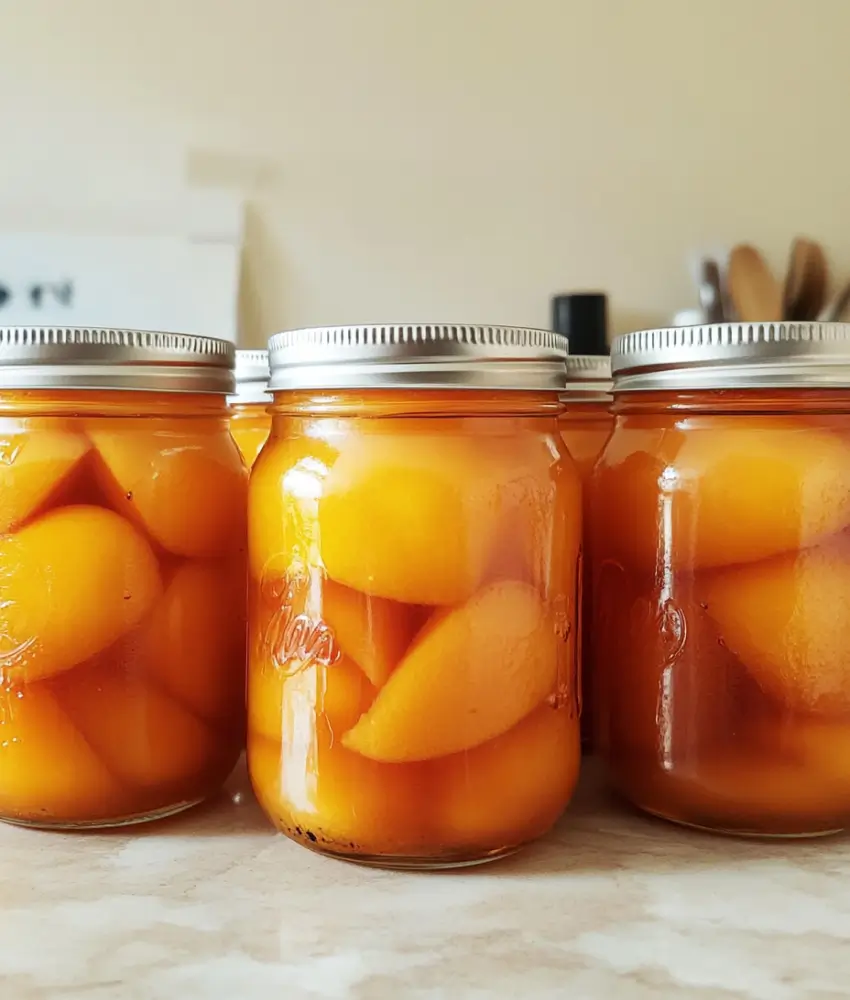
pixel 755 292
pixel 806 282
pixel 833 311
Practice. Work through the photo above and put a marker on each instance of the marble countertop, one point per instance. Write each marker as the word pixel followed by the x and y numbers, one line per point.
pixel 214 905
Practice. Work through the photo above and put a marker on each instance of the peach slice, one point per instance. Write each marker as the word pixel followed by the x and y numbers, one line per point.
pixel 48 773
pixel 71 583
pixel 33 464
pixel 825 747
pixel 144 737
pixel 186 488
pixel 321 792
pixel 412 518
pixel 821 746
pixel 787 619
pixel 264 768
pixel 194 642
pixel 283 507
pixel 512 788
pixel 374 632
pixel 743 792
pixel 340 693
pixel 714 491
pixel 472 674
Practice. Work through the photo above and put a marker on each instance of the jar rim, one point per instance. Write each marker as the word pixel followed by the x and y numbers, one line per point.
pixel 418 356
pixel 740 356
pixel 588 378
pixel 252 377
pixel 114 359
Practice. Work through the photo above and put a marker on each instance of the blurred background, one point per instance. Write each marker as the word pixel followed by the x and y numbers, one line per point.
pixel 246 165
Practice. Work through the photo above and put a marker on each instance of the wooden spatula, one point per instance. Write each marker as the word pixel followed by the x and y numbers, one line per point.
pixel 755 293
pixel 806 282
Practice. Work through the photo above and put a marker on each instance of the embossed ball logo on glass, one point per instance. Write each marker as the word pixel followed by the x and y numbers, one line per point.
pixel 294 639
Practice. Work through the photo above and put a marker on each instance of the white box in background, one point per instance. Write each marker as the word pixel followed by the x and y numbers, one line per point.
pixel 185 280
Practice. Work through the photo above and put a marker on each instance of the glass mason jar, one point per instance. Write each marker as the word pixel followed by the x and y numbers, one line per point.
pixel 721 567
pixel 586 422
pixel 414 528
pixel 250 421
pixel 122 575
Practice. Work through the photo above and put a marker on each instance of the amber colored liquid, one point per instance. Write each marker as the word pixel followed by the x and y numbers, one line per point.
pixel 122 605
pixel 411 693
pixel 721 569
pixel 585 427
pixel 250 424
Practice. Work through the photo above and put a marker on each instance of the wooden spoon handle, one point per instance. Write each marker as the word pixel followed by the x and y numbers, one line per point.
pixel 755 293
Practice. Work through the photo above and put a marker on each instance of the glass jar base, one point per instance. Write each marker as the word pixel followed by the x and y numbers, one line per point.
pixel 410 863
pixel 149 816
pixel 743 832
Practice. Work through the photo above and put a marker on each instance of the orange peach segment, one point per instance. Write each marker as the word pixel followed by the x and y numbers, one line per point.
pixel 785 488
pixel 350 800
pixel 264 769
pixel 283 507
pixel 187 489
pixel 323 792
pixel 72 583
pixel 788 619
pixel 822 746
pixel 47 770
pixel 374 632
pixel 826 749
pixel 340 693
pixel 472 674
pixel 311 783
pixel 194 642
pixel 411 518
pixel 513 787
pixel 144 737
pixel 721 490
pixel 32 465
pixel 750 794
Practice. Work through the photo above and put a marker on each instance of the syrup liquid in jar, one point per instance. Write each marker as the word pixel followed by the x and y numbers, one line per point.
pixel 414 531
pixel 721 563
pixel 586 423
pixel 122 576
pixel 250 421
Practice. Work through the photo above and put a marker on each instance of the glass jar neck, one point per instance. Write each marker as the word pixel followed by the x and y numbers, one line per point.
pixel 57 402
pixel 419 403
pixel 744 401
pixel 585 409
pixel 251 409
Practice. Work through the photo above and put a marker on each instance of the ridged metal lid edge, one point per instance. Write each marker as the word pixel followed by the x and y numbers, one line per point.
pixel 252 377
pixel 588 377
pixel 114 358
pixel 733 356
pixel 418 356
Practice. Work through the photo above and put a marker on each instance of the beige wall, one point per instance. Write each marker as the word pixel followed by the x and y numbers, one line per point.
pixel 451 159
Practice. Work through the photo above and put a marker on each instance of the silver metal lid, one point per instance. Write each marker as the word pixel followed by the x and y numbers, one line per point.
pixel 252 377
pixel 84 358
pixel 418 356
pixel 588 377
pixel 733 356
